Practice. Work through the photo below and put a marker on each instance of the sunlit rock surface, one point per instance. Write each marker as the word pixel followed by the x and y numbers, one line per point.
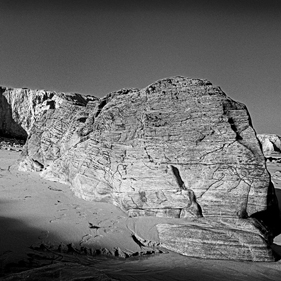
pixel 271 144
pixel 177 148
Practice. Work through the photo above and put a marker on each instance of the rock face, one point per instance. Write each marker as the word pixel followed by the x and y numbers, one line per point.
pixel 175 148
pixel 233 240
pixel 178 148
pixel 270 143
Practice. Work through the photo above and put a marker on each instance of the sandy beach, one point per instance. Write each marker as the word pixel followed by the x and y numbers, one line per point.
pixel 49 234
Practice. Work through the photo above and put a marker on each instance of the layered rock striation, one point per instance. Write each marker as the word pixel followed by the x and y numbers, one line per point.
pixel 179 148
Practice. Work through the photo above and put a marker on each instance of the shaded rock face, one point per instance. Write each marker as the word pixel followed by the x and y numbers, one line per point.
pixel 10 120
pixel 270 143
pixel 178 148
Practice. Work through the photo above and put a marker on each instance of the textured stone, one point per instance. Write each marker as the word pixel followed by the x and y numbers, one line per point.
pixel 20 108
pixel 177 148
pixel 126 148
pixel 229 240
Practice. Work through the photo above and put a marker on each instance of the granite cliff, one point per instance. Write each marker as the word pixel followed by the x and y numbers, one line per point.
pixel 179 148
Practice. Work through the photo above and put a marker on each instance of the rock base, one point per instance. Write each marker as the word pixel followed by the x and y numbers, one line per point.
pixel 216 240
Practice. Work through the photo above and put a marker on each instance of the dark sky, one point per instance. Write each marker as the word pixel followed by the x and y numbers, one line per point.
pixel 95 47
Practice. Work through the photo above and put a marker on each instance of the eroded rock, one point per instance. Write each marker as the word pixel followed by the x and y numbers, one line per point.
pixel 178 148
pixel 125 148
pixel 229 240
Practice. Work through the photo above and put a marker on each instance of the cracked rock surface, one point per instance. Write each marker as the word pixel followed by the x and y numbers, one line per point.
pixel 179 148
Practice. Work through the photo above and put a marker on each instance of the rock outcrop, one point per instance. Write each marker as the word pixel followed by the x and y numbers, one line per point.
pixel 270 143
pixel 226 239
pixel 20 108
pixel 178 148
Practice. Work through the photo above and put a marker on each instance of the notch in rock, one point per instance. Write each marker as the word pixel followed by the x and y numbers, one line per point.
pixel 179 180
pixel 234 128
pixel 193 207
pixel 100 107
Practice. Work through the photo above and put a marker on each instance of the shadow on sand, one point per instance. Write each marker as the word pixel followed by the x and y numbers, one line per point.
pixel 26 254
pixel 43 263
pixel 16 238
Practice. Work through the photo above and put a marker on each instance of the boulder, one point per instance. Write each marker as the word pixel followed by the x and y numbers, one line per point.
pixel 179 148
pixel 230 240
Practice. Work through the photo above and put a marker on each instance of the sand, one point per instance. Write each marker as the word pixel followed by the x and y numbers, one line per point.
pixel 47 233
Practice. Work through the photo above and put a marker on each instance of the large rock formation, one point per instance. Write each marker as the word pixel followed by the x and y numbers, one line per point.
pixel 179 148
